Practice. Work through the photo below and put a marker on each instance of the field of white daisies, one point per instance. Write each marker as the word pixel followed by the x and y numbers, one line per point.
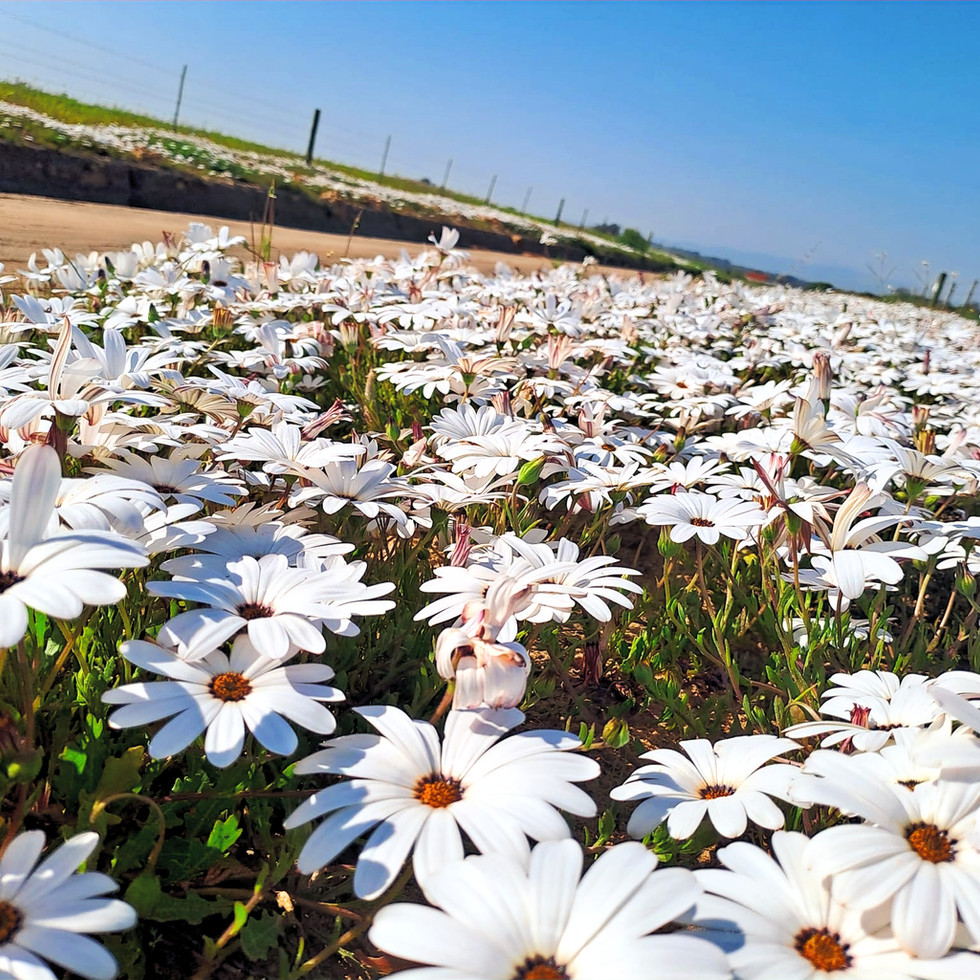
pixel 382 617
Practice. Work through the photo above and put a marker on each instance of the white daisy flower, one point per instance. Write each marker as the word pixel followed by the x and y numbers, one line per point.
pixel 223 695
pixel 280 606
pixel 730 783
pixel 498 918
pixel 45 910
pixel 875 705
pixel 917 850
pixel 418 794
pixel 702 515
pixel 55 573
pixel 367 487
pixel 778 919
pixel 179 477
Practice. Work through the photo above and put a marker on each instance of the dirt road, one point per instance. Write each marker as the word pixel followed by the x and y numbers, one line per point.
pixel 28 224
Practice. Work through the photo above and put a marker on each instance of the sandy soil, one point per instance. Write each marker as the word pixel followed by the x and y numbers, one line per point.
pixel 28 224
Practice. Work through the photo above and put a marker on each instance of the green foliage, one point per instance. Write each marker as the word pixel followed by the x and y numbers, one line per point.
pixel 635 240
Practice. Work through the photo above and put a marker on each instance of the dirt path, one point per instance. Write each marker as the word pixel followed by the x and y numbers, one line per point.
pixel 28 224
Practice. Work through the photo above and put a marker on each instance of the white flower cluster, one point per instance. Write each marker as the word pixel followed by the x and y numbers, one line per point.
pixel 585 399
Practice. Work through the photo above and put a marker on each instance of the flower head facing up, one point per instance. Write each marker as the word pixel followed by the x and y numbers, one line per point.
pixel 777 916
pixel 46 908
pixel 409 792
pixel 729 782
pixel 915 856
pixel 543 920
pixel 280 606
pixel 223 695
pixel 702 516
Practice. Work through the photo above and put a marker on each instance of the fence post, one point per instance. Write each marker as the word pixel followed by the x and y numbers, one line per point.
pixel 309 148
pixel 445 176
pixel 493 180
pixel 180 96
pixel 561 207
pixel 384 156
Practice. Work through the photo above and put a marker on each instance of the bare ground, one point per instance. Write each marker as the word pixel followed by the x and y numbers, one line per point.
pixel 28 224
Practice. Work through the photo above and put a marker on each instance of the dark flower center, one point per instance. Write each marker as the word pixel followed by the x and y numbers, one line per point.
pixel 540 968
pixel 702 522
pixel 230 687
pixel 438 791
pixel 10 921
pixel 8 579
pixel 823 949
pixel 714 792
pixel 254 610
pixel 930 843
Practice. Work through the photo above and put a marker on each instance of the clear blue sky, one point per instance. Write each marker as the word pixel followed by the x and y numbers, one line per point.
pixel 800 137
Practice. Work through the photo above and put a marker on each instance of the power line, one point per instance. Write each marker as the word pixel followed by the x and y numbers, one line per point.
pixel 342 143
pixel 169 70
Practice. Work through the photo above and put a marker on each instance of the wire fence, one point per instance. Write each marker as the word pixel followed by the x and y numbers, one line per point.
pixel 107 76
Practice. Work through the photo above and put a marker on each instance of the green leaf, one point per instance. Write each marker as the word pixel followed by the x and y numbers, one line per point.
pixel 76 758
pixel 184 857
pixel 151 902
pixel 121 775
pixel 586 735
pixel 260 936
pixel 135 849
pixel 224 833
pixel 143 894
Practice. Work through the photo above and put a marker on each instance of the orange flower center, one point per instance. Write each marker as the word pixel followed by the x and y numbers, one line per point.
pixel 930 843
pixel 714 792
pixel 438 791
pixel 230 687
pixel 823 949
pixel 10 921
pixel 540 968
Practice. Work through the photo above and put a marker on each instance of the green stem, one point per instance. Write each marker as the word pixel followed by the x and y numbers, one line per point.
pixel 359 928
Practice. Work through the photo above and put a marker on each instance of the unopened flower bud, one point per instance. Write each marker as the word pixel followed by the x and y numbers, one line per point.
pixel 462 544
pixel 667 546
pixel 824 374
pixel 530 472
pixel 966 583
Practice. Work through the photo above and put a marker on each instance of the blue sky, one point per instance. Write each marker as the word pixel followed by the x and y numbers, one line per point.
pixel 801 137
